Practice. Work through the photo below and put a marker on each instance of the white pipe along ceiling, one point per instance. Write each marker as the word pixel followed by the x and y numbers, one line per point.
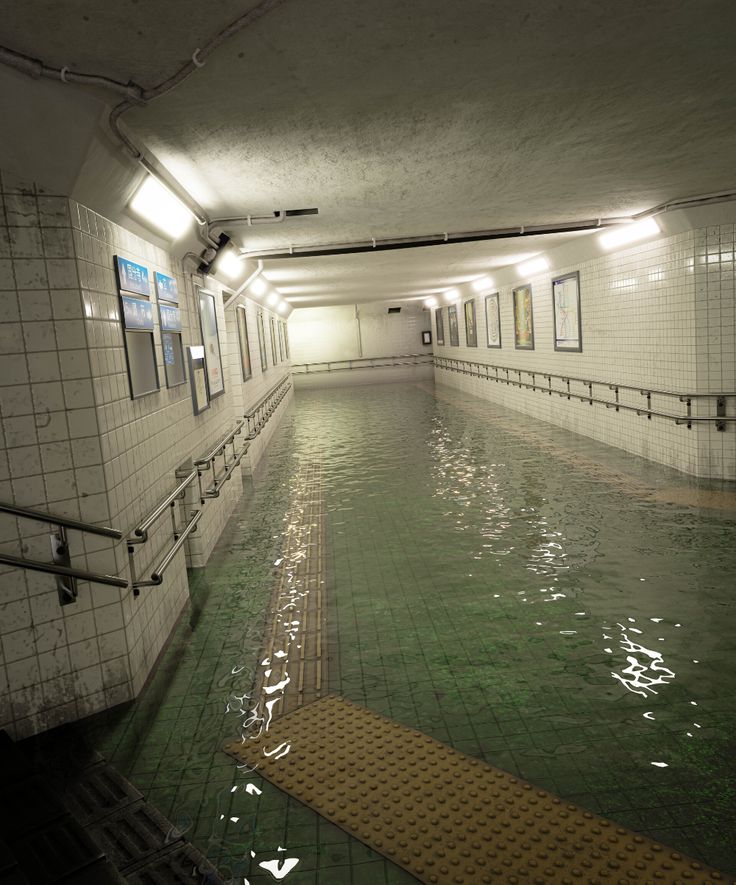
pixel 377 151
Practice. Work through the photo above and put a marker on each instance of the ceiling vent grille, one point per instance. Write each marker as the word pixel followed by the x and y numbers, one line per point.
pixel 394 310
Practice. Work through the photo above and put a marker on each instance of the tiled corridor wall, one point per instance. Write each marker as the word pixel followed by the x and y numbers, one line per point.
pixel 658 315
pixel 349 332
pixel 74 443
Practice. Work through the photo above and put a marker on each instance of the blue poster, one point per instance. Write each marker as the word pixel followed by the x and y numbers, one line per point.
pixel 166 287
pixel 132 277
pixel 170 318
pixel 137 314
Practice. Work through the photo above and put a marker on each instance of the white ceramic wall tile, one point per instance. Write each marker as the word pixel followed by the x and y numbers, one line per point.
pixel 659 315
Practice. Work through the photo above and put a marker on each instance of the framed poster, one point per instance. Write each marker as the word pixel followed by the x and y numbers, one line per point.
pixel 286 339
pixel 452 323
pixel 426 337
pixel 523 318
pixel 261 329
pixel 440 326
pixel 242 319
pixel 211 344
pixel 566 309
pixel 471 334
pixel 272 326
pixel 493 320
pixel 198 378
pixel 282 351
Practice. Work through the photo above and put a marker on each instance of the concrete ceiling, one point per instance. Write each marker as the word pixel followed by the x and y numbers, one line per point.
pixel 401 118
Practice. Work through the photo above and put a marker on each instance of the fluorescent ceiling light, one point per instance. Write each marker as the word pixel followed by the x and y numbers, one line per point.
pixel 258 286
pixel 481 284
pixel 160 208
pixel 535 265
pixel 282 307
pixel 452 295
pixel 430 302
pixel 629 233
pixel 230 265
pixel 272 299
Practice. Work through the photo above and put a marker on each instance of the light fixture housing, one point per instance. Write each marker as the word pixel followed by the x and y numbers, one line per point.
pixel 154 204
pixel 229 264
pixel 629 233
pixel 533 266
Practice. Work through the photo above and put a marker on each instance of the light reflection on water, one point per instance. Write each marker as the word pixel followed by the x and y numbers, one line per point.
pixel 493 568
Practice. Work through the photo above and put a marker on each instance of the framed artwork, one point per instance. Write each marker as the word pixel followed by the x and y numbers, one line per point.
pixel 261 329
pixel 198 378
pixel 211 344
pixel 493 320
pixel 566 309
pixel 471 334
pixel 440 326
pixel 242 319
pixel 452 323
pixel 426 337
pixel 523 318
pixel 274 352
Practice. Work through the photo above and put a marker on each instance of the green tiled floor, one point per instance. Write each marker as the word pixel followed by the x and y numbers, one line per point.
pixel 488 578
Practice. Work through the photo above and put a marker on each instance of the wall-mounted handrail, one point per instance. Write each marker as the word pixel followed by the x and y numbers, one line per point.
pixel 214 490
pixel 140 533
pixel 51 519
pixel 157 575
pixel 51 568
pixel 262 400
pixel 371 361
pixel 719 419
pixel 219 447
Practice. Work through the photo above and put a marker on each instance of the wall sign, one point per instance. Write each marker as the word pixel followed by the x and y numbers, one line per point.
pixel 426 337
pixel 286 340
pixel 166 287
pixel 170 318
pixel 198 378
pixel 211 343
pixel 137 314
pixel 132 277
pixel 273 342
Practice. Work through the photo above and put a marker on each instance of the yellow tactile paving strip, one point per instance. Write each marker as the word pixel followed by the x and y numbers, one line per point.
pixel 299 590
pixel 445 817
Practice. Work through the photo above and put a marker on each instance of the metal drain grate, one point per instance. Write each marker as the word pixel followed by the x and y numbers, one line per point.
pixel 97 792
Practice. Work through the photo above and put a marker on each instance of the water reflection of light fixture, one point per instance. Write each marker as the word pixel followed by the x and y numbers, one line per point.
pixel 156 205
pixel 629 233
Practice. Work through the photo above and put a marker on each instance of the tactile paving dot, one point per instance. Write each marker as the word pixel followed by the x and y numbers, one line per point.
pixel 447 818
